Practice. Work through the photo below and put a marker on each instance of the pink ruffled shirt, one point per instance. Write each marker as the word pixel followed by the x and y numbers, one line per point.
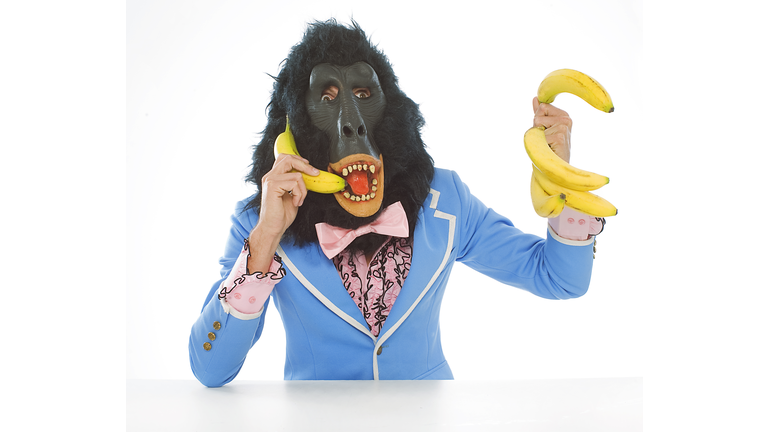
pixel 575 225
pixel 242 294
pixel 374 287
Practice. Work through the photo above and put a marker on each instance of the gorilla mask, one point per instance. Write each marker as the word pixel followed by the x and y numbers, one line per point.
pixel 347 103
pixel 346 111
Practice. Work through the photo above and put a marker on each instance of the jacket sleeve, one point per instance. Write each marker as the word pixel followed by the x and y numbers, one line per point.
pixel 221 336
pixel 551 267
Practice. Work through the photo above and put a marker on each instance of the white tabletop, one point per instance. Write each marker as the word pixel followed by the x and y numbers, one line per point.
pixel 605 404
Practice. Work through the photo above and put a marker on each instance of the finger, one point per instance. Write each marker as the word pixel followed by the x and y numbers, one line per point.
pixel 550 110
pixel 293 188
pixel 294 195
pixel 557 140
pixel 279 185
pixel 300 193
pixel 288 163
pixel 557 129
pixel 293 192
pixel 281 156
pixel 559 143
pixel 549 122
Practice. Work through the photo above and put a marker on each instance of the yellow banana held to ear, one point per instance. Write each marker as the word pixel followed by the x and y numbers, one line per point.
pixel 576 83
pixel 325 182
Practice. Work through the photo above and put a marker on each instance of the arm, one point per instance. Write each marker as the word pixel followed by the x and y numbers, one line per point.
pixel 222 336
pixel 232 317
pixel 282 193
pixel 557 267
pixel 550 267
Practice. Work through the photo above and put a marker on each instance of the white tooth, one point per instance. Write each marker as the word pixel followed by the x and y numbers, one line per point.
pixel 365 167
pixel 359 167
pixel 367 197
pixel 373 195
pixel 374 188
pixel 344 172
pixel 346 195
pixel 372 169
pixel 375 181
pixel 357 198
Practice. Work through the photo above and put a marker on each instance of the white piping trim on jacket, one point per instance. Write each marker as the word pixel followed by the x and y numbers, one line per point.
pixel 237 314
pixel 323 299
pixel 452 227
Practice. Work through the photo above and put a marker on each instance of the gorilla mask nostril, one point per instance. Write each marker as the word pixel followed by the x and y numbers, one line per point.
pixel 361 130
pixel 347 131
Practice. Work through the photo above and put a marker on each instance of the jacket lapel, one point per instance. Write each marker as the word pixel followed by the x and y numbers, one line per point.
pixel 318 275
pixel 432 245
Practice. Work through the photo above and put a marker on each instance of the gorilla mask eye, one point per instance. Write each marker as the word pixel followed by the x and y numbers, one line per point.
pixel 330 93
pixel 362 93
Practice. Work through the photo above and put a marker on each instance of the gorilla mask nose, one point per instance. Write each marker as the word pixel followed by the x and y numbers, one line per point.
pixel 352 134
pixel 347 131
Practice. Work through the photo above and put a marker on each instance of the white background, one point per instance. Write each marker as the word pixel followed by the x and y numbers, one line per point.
pixel 126 133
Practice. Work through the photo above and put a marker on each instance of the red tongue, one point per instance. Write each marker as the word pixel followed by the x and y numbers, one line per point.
pixel 358 181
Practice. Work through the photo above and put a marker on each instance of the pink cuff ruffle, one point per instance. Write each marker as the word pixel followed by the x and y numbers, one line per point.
pixel 246 293
pixel 575 225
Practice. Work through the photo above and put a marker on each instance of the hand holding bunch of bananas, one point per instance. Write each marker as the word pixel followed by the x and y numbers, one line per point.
pixel 555 183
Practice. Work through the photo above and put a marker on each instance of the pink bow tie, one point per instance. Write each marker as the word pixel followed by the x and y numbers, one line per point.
pixel 392 221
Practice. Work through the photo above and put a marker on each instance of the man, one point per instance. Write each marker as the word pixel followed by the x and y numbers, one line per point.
pixel 358 275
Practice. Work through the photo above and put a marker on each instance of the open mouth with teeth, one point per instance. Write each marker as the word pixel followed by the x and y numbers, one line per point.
pixel 365 184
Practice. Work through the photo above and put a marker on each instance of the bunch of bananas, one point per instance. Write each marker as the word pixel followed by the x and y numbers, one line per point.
pixel 325 182
pixel 555 183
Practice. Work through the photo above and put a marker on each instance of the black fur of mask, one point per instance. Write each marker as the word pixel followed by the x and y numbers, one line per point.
pixel 408 167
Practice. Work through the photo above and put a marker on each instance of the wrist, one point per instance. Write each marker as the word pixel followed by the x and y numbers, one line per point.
pixel 262 246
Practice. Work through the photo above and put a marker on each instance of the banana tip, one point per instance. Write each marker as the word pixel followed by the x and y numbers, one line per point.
pixel 610 110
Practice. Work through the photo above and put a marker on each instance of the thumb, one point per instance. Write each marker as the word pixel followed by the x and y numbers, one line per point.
pixel 535 104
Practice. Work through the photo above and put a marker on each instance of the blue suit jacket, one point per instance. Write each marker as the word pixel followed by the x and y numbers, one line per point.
pixel 326 334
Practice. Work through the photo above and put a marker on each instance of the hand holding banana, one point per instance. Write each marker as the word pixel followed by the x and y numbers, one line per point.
pixel 325 182
pixel 555 183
